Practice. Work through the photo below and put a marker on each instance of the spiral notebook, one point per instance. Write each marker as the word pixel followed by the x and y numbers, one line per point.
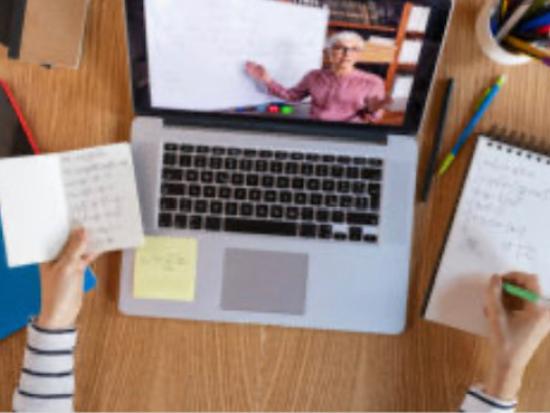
pixel 501 224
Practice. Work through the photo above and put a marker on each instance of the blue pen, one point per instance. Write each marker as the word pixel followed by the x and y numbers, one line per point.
pixel 482 108
pixel 533 24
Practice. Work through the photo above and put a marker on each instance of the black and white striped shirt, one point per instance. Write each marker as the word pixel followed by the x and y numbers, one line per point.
pixel 47 377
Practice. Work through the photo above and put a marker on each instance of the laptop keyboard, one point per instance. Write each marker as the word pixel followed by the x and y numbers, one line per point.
pixel 284 193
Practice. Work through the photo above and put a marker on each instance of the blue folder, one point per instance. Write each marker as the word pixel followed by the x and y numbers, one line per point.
pixel 20 293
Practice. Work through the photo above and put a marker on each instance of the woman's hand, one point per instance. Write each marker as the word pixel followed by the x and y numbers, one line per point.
pixel 62 283
pixel 257 72
pixel 517 328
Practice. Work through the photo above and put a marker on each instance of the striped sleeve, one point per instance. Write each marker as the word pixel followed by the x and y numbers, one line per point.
pixel 47 376
pixel 477 401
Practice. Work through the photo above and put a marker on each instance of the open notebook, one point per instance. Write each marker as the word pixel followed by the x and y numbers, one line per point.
pixel 502 224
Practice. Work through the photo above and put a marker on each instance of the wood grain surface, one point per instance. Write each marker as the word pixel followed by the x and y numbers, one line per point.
pixel 144 364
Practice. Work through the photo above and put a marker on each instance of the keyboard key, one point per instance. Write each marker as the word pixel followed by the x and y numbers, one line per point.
pixel 374 189
pixel 207 177
pixel 195 191
pixel 262 211
pixel 370 238
pixel 362 219
pixel 329 186
pixel 312 157
pixel 339 236
pixel 240 194
pixel 168 204
pixel 279 155
pixel 170 147
pixel 307 214
pixel 283 182
pixel 237 179
pixel 216 207
pixel 218 150
pixel 325 232
pixel 222 177
pixel 352 172
pixel 261 166
pixel 344 187
pixel 201 206
pixel 276 211
pixel 316 199
pixel 260 227
pixel 344 159
pixel 170 174
pixel 173 189
pixel 376 162
pixel 191 175
pixel 308 230
pixel 187 148
pixel 216 163
pixel 252 180
pixel 337 171
pixel 329 158
pixel 322 215
pixel 362 203
pixel 321 170
pixel 213 224
pixel 359 187
pixel 331 201
pixel 246 165
pixel 360 161
pixel 297 156
pixel 200 162
pixel 298 183
pixel 180 221
pixel 300 198
pixel 346 201
pixel 371 174
pixel 255 195
pixel 247 209
pixel 270 196
pixel 355 234
pixel 165 220
pixel 266 154
pixel 224 192
pixel 308 169
pixel 231 164
pixel 186 161
pixel 250 153
pixel 337 217
pixel 169 159
pixel 195 222
pixel 313 184
pixel 292 213
pixel 209 191
pixel 268 181
pixel 276 167
pixel 234 151
pixel 203 149
pixel 185 205
pixel 285 197
pixel 231 208
pixel 291 168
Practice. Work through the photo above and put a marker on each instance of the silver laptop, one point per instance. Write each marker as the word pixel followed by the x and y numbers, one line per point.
pixel 299 198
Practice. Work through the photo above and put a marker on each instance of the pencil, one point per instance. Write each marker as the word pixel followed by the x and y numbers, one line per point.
pixel 514 19
pixel 527 48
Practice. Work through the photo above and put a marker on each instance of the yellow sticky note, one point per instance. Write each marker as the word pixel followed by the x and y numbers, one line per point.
pixel 166 269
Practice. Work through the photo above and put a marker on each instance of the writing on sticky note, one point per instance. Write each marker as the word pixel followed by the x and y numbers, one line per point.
pixel 166 269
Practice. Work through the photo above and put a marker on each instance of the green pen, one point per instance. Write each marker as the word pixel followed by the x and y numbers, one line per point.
pixel 524 294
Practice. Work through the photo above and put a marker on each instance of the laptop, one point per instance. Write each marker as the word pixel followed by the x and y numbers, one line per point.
pixel 294 174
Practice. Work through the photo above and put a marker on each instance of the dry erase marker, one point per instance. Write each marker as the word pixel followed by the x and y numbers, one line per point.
pixel 524 294
pixel 480 111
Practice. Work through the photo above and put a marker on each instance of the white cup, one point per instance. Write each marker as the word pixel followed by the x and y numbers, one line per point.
pixel 487 40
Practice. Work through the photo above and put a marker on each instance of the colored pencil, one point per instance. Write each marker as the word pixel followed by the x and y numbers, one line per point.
pixel 516 16
pixel 527 48
pixel 535 23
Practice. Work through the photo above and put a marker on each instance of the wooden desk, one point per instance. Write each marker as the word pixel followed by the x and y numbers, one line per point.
pixel 142 364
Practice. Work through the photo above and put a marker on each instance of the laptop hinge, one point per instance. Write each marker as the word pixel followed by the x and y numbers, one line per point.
pixel 329 131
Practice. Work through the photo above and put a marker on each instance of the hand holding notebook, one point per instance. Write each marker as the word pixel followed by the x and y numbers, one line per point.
pixel 43 197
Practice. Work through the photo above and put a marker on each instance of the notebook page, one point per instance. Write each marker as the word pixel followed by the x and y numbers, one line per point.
pixel 34 213
pixel 501 225
pixel 101 195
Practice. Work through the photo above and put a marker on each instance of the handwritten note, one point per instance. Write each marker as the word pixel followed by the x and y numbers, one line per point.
pixel 166 269
pixel 43 197
pixel 198 49
pixel 101 196
pixel 501 225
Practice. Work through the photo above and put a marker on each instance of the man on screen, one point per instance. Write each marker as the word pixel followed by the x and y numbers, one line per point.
pixel 340 92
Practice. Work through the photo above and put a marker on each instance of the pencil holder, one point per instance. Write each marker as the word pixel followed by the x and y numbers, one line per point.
pixel 487 40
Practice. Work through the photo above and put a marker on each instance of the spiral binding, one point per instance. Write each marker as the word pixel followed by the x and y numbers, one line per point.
pixel 522 144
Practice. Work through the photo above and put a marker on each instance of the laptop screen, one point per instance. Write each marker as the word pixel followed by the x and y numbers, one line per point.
pixel 340 65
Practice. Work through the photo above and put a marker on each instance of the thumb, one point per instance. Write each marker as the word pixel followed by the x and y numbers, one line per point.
pixel 75 247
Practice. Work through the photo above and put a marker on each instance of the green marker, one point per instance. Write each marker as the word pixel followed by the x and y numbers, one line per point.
pixel 523 293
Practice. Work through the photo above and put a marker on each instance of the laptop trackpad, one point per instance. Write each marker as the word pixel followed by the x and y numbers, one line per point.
pixel 264 281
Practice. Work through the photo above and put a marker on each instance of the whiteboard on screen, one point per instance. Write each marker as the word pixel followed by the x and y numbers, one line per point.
pixel 197 49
